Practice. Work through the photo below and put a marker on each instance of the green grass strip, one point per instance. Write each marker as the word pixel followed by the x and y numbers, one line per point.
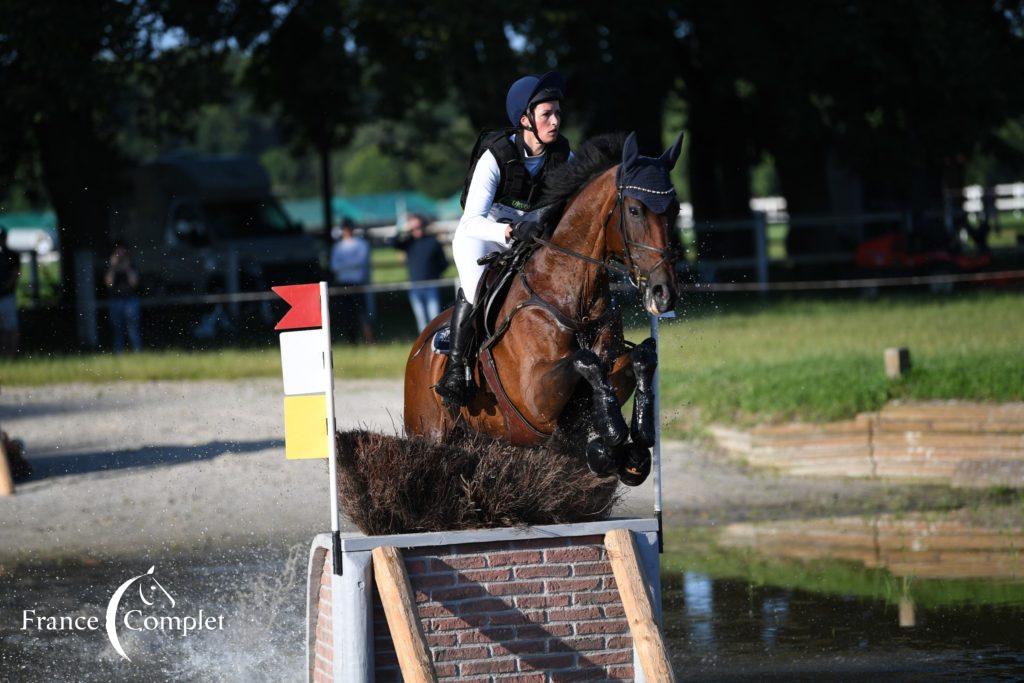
pixel 798 360
pixel 351 362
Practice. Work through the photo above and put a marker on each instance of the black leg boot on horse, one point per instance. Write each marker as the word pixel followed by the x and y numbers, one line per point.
pixel 645 361
pixel 609 430
pixel 456 384
pixel 635 460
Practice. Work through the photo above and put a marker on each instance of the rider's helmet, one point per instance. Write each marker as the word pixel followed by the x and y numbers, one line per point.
pixel 528 92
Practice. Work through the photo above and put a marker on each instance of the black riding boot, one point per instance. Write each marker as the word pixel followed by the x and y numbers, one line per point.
pixel 455 388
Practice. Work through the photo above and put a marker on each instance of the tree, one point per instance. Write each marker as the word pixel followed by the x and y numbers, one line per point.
pixel 78 76
pixel 617 59
pixel 422 53
pixel 861 105
pixel 307 72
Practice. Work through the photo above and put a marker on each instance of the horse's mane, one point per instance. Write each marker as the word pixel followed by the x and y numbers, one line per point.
pixel 594 157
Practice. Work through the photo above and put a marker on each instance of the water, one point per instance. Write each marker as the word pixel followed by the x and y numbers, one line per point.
pixel 261 599
pixel 764 623
pixel 727 629
pixel 914 596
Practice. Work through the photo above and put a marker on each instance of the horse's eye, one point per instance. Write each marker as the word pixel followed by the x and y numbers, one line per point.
pixel 633 211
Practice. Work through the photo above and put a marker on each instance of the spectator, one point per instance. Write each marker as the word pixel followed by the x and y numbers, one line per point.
pixel 425 260
pixel 10 270
pixel 350 263
pixel 122 281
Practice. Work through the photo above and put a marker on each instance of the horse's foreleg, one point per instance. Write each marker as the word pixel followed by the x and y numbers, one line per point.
pixel 645 361
pixel 607 411
pixel 632 461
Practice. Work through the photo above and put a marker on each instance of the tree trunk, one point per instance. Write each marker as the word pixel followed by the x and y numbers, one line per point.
pixel 719 171
pixel 326 190
pixel 81 175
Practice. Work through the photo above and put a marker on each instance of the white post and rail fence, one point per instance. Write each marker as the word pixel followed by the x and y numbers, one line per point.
pixel 767 218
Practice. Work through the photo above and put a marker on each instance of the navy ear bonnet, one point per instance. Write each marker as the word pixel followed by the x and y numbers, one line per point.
pixel 647 178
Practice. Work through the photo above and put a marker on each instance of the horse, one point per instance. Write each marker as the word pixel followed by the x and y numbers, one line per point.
pixel 558 324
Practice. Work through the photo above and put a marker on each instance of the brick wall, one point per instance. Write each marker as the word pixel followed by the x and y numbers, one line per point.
pixel 323 654
pixel 528 610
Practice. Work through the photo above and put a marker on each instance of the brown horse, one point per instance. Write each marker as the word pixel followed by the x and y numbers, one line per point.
pixel 560 324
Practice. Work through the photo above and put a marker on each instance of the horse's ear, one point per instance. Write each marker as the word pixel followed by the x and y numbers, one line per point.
pixel 671 155
pixel 629 150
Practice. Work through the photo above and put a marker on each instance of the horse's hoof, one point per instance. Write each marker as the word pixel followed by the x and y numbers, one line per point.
pixel 600 458
pixel 636 466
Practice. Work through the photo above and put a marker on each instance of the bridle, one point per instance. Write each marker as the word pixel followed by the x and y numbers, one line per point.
pixel 637 277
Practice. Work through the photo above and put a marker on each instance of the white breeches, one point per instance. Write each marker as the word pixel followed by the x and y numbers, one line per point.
pixel 465 251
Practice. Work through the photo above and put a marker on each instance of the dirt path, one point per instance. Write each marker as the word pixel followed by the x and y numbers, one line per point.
pixel 199 466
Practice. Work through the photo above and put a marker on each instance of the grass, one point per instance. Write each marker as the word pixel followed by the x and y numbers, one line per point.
pixel 388 266
pixel 807 360
pixel 351 362
pixel 822 360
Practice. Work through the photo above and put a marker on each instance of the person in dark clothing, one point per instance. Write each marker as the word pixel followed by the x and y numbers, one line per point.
pixel 425 260
pixel 10 271
pixel 122 281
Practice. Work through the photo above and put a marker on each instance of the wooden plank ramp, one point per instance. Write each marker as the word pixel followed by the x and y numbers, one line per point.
pixel 630 579
pixel 400 609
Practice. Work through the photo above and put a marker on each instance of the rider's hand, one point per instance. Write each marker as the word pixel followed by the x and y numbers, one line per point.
pixel 508 233
pixel 524 231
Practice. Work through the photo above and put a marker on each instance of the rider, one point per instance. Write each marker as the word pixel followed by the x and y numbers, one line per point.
pixel 499 204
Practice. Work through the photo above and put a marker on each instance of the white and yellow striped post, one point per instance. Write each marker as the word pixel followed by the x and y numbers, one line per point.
pixel 308 372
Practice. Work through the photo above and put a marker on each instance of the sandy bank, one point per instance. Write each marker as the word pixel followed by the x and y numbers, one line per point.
pixel 159 467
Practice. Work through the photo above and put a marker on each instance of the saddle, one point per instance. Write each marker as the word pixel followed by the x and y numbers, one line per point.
pixel 491 291
pixel 502 267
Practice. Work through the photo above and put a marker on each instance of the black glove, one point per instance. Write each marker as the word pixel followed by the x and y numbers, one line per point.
pixel 524 231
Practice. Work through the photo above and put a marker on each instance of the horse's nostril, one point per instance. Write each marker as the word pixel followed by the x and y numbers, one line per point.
pixel 659 293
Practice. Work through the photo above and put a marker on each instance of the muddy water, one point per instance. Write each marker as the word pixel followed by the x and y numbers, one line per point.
pixel 765 624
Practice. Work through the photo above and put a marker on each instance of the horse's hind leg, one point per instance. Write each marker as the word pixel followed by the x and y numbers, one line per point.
pixel 645 362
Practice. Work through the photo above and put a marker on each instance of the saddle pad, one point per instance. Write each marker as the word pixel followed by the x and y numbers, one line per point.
pixel 441 342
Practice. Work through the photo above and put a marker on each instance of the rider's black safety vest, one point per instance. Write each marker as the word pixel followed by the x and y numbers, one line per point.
pixel 517 188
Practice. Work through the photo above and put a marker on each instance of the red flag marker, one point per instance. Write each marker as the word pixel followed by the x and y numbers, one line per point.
pixel 305 306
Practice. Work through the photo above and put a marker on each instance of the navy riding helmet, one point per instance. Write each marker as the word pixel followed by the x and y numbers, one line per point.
pixel 532 90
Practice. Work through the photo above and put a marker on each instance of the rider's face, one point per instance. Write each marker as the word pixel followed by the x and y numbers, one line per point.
pixel 548 118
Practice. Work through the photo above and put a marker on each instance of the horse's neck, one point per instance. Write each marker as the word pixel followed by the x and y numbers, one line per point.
pixel 577 286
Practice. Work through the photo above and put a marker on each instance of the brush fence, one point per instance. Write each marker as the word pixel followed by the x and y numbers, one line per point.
pixel 531 604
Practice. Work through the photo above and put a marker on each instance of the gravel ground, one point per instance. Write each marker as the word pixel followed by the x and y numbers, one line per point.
pixel 144 468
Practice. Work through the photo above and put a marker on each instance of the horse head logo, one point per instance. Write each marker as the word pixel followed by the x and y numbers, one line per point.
pixel 149 591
